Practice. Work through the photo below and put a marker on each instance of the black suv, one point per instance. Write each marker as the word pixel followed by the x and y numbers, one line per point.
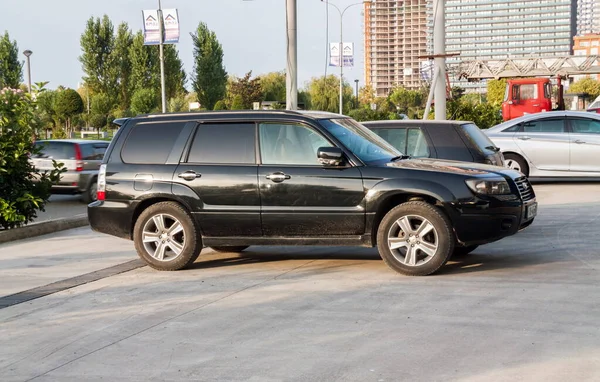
pixel 175 183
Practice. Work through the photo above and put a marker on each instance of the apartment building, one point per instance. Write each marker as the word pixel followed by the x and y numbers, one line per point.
pixel 588 17
pixel 396 40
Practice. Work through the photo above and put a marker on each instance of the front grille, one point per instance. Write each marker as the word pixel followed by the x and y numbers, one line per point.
pixel 525 188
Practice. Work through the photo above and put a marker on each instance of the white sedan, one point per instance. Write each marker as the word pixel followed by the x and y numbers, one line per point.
pixel 555 144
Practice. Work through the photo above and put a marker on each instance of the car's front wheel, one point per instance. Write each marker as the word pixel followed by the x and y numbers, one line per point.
pixel 166 237
pixel 516 162
pixel 415 239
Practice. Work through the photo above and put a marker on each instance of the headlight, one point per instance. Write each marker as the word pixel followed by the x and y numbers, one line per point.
pixel 494 186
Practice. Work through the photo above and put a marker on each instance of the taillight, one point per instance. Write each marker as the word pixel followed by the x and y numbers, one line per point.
pixel 78 160
pixel 101 192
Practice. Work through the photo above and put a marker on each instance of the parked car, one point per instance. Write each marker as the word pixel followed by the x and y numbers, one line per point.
pixel 553 144
pixel 453 140
pixel 174 183
pixel 81 158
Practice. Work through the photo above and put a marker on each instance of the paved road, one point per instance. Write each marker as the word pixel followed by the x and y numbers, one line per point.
pixel 525 308
pixel 62 206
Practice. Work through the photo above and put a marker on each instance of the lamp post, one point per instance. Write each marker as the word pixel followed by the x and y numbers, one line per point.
pixel 162 59
pixel 356 85
pixel 27 54
pixel 341 51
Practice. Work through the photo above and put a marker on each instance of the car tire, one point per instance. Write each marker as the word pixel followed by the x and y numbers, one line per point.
pixel 166 237
pixel 90 195
pixel 236 249
pixel 516 162
pixel 402 244
pixel 463 251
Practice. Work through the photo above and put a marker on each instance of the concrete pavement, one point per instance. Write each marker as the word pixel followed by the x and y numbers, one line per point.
pixel 524 308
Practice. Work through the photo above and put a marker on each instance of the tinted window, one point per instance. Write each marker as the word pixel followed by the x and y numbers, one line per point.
pixel 290 144
pixel 396 137
pixel 151 143
pixel 512 129
pixel 416 144
pixel 544 126
pixel 56 150
pixel 91 151
pixel 448 143
pixel 477 137
pixel 585 126
pixel 224 143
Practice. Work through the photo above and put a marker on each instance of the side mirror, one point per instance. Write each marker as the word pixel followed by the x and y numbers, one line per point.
pixel 330 156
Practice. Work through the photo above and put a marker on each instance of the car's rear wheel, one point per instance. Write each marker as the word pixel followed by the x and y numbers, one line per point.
pixel 415 239
pixel 516 162
pixel 236 249
pixel 166 237
pixel 91 194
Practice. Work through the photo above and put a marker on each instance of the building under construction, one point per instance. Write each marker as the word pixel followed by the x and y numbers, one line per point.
pixel 396 40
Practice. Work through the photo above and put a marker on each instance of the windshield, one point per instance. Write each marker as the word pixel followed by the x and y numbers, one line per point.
pixel 477 137
pixel 364 143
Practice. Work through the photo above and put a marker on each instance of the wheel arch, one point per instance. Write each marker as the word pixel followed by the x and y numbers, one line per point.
pixel 152 200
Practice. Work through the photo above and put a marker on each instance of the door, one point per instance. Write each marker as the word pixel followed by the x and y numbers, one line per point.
pixel 300 197
pixel 525 99
pixel 585 144
pixel 545 142
pixel 221 170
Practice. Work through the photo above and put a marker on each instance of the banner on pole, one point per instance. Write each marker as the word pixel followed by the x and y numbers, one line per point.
pixel 171 23
pixel 170 19
pixel 151 27
pixel 347 54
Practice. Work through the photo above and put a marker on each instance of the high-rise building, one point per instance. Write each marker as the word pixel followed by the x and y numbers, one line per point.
pixel 497 29
pixel 396 39
pixel 588 17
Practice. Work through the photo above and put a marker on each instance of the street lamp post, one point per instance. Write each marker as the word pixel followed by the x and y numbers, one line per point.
pixel 341 51
pixel 27 54
pixel 162 59
pixel 356 84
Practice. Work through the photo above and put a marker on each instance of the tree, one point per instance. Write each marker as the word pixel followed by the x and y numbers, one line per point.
pixel 175 77
pixel 209 77
pixel 586 85
pixel 23 189
pixel 68 104
pixel 144 62
pixel 177 104
pixel 496 90
pixel 98 59
pixel 237 103
pixel 101 110
pixel 325 95
pixel 121 65
pixel 11 70
pixel 145 101
pixel 220 105
pixel 273 86
pixel 409 102
pixel 248 90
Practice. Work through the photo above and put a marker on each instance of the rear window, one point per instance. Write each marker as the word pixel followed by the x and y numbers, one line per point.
pixel 92 151
pixel 477 137
pixel 151 143
pixel 55 150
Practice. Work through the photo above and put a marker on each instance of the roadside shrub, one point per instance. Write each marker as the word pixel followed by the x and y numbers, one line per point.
pixel 23 189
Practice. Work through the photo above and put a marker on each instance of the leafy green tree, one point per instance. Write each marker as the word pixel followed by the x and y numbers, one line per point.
pixel 586 85
pixel 175 77
pixel 324 94
pixel 97 58
pixel 248 90
pixel 496 90
pixel 273 86
pixel 68 104
pixel 101 109
pixel 409 102
pixel 209 77
pixel 237 103
pixel 121 65
pixel 11 70
pixel 145 101
pixel 46 109
pixel 24 190
pixel 144 64
pixel 178 104
pixel 220 105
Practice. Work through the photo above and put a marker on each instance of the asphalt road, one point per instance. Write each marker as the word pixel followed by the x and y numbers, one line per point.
pixel 525 308
pixel 62 206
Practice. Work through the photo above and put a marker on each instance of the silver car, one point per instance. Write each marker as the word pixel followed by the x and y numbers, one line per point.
pixel 554 144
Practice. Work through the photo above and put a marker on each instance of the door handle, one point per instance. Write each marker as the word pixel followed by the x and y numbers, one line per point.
pixel 579 141
pixel 525 138
pixel 189 175
pixel 278 177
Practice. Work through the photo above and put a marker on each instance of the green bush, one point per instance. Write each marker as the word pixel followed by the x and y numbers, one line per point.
pixel 23 189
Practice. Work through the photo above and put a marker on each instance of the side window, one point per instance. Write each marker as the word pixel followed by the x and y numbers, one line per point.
pixel 290 144
pixel 545 126
pixel 226 143
pixel 151 142
pixel 528 91
pixel 513 129
pixel 416 145
pixel 396 137
pixel 585 126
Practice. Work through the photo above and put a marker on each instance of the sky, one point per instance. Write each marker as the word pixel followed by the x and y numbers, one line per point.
pixel 252 32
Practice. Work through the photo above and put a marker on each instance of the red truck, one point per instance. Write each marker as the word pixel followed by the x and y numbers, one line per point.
pixel 530 95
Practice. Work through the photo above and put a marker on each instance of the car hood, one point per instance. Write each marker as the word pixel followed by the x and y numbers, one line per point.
pixel 454 167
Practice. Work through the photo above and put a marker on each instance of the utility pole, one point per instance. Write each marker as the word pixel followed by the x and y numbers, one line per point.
pixel 439 51
pixel 162 59
pixel 292 56
pixel 341 56
pixel 27 54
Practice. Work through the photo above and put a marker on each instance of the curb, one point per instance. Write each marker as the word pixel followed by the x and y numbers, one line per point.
pixel 43 228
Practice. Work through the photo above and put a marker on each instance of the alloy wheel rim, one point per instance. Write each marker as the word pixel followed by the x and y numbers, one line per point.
pixel 513 164
pixel 413 240
pixel 164 237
